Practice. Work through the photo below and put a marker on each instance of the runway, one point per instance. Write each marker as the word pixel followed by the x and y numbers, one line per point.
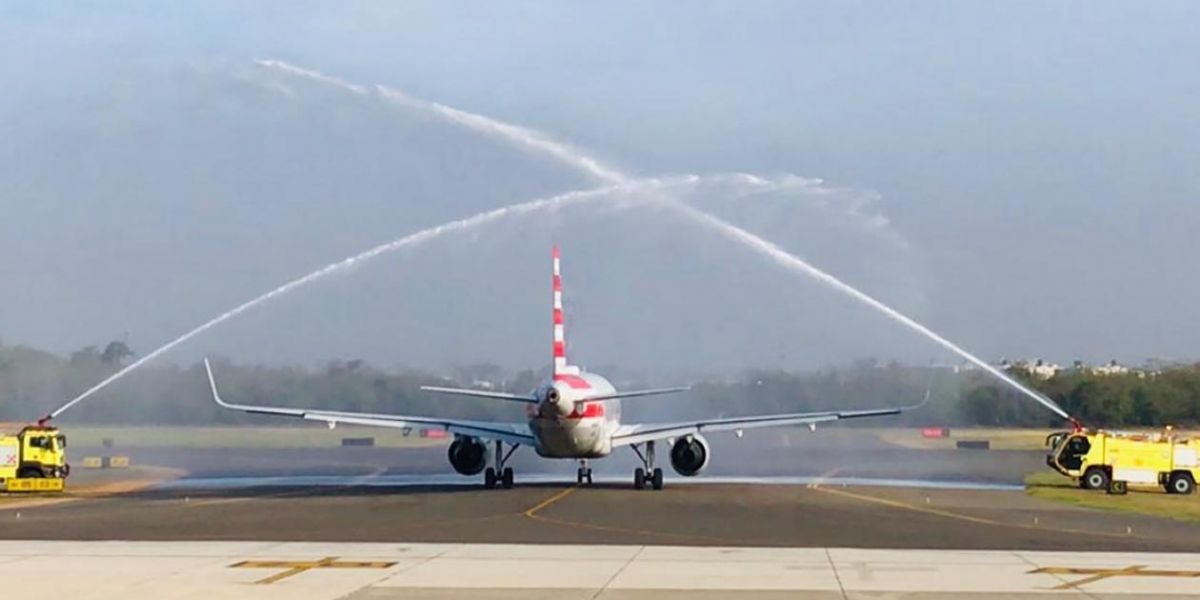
pixel 830 489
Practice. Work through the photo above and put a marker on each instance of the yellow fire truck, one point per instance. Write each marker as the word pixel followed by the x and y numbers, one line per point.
pixel 1105 460
pixel 33 460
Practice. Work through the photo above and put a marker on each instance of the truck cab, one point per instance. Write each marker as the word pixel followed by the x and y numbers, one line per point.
pixel 1068 453
pixel 43 452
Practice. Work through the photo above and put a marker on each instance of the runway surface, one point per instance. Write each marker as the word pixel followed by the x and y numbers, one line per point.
pixel 824 491
pixel 396 571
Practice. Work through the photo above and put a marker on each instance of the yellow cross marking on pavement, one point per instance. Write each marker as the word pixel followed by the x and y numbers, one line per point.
pixel 296 567
pixel 1094 575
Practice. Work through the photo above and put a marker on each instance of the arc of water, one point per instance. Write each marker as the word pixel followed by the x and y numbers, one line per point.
pixel 553 202
pixel 540 142
pixel 794 263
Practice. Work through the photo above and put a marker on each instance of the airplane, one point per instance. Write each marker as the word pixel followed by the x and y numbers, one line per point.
pixel 572 415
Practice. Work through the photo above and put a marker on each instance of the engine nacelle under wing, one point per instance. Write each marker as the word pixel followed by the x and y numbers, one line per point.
pixel 689 455
pixel 468 455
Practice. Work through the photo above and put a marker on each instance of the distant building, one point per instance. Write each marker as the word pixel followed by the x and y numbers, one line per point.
pixel 1042 369
pixel 1112 368
pixel 1039 368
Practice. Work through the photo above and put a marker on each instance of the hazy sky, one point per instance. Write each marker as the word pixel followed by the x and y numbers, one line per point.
pixel 1022 177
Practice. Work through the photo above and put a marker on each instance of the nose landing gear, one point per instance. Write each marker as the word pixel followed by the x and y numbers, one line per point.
pixel 584 473
pixel 650 475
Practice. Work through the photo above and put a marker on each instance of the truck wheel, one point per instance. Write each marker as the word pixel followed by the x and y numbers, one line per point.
pixel 1181 482
pixel 30 473
pixel 1095 478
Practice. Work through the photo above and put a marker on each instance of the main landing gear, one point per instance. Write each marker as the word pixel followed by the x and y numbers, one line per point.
pixel 650 475
pixel 584 474
pixel 500 474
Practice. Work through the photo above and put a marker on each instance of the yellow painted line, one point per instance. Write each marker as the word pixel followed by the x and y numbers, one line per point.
pixel 219 501
pixel 115 488
pixel 532 512
pixel 296 567
pixel 912 507
pixel 1095 575
pixel 961 517
pixel 822 477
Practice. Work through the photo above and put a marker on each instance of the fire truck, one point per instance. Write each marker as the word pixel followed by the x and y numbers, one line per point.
pixel 1107 460
pixel 33 460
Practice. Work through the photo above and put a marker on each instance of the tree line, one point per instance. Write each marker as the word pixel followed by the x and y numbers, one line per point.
pixel 34 382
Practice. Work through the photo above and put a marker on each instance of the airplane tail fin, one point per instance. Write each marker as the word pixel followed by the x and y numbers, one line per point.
pixel 560 341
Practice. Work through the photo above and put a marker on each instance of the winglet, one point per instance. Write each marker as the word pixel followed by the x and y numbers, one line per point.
pixel 212 384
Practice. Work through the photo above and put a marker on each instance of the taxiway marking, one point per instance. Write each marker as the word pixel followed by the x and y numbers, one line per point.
pixel 532 512
pixel 822 477
pixel 360 480
pixel 156 475
pixel 296 567
pixel 961 517
pixel 1095 575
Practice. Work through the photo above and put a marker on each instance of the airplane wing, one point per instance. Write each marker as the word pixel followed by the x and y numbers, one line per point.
pixel 482 394
pixel 513 433
pixel 629 435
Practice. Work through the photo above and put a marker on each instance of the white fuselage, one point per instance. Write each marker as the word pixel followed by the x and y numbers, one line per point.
pixel 569 425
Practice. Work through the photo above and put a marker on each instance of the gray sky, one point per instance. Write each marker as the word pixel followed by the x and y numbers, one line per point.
pixel 1022 177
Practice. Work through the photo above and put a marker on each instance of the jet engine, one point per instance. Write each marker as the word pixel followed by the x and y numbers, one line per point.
pixel 468 455
pixel 689 455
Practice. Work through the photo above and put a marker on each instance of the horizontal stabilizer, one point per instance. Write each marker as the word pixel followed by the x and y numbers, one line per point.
pixel 636 393
pixel 482 394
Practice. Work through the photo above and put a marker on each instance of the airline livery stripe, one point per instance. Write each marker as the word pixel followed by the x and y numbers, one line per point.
pixel 589 410
pixel 575 381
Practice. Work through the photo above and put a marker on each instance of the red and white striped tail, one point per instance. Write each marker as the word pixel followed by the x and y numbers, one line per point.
pixel 560 341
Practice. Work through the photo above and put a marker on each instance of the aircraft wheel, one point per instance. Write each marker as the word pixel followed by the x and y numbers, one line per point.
pixel 657 480
pixel 507 478
pixel 489 478
pixel 639 479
